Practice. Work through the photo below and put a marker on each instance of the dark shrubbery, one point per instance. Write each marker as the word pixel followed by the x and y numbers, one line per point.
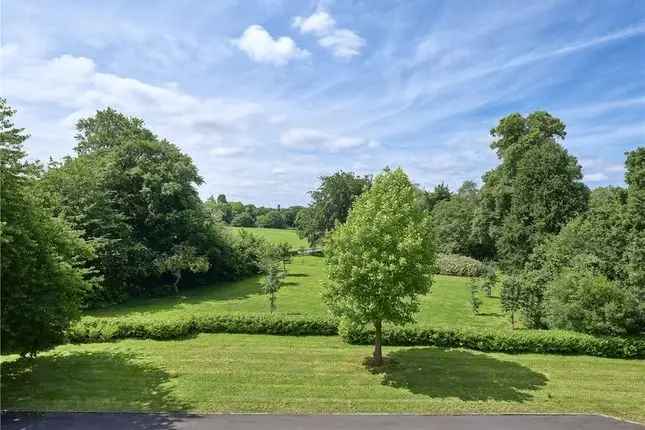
pixel 459 265
pixel 107 329
pixel 537 341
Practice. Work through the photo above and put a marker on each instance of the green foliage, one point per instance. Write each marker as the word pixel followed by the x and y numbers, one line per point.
pixel 535 190
pixel 511 296
pixel 516 342
pixel 453 219
pixel 533 284
pixel 635 224
pixel 108 329
pixel 381 259
pixel 41 278
pixel 459 265
pixel 475 300
pixel 243 219
pixel 139 205
pixel 183 258
pixel 271 219
pixel 582 301
pixel 272 283
pixel 331 203
pixel 440 193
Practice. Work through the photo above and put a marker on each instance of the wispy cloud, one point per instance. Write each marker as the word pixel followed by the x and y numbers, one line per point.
pixel 342 42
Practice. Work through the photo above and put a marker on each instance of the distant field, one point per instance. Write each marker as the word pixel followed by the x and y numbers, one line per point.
pixel 446 306
pixel 281 374
pixel 276 235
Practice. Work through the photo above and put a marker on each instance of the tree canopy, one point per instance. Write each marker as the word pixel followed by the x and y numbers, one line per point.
pixel 331 203
pixel 382 258
pixel 535 190
pixel 41 278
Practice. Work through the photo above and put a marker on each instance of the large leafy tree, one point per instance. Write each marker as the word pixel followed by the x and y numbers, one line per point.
pixel 331 203
pixel 41 278
pixel 381 259
pixel 534 191
pixel 134 195
pixel 453 219
pixel 635 225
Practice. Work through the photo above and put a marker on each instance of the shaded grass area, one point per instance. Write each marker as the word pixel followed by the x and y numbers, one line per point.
pixel 256 373
pixel 446 306
pixel 275 235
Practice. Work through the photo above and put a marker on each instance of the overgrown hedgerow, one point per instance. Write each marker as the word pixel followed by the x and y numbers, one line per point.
pixel 107 329
pixel 533 341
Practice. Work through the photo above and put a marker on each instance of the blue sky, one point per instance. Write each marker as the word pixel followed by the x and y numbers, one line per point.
pixel 266 96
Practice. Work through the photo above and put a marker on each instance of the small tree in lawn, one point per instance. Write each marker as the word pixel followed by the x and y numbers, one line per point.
pixel 272 282
pixel 381 259
pixel 511 296
pixel 475 300
pixel 283 253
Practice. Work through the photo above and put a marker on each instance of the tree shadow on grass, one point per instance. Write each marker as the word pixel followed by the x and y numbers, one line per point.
pixel 443 373
pixel 297 275
pixel 89 381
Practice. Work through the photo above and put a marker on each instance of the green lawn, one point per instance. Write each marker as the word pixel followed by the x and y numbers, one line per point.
pixel 255 373
pixel 446 306
pixel 276 235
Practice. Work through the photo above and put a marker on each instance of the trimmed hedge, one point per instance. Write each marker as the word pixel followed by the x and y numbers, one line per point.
pixel 107 329
pixel 535 341
pixel 459 265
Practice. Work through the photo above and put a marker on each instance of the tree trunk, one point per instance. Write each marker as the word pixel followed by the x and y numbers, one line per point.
pixel 377 358
pixel 513 320
pixel 177 279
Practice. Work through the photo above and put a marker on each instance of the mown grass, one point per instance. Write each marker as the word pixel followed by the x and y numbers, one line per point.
pixel 275 235
pixel 446 306
pixel 279 374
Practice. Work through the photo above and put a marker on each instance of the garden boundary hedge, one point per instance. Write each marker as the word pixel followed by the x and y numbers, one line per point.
pixel 520 341
pixel 106 329
pixel 91 329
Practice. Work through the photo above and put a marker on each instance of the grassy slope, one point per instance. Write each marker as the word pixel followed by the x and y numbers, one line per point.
pixel 223 372
pixel 276 235
pixel 446 306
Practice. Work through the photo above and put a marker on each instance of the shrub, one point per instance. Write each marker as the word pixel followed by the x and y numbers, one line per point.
pixel 106 329
pixel 459 265
pixel 534 341
pixel 583 301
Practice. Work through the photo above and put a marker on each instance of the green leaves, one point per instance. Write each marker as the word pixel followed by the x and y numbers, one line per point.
pixel 42 280
pixel 382 257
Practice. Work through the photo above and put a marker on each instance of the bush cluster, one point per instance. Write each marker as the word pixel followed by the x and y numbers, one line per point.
pixel 459 265
pixel 107 329
pixel 536 341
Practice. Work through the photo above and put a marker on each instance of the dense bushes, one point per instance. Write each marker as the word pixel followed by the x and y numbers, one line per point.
pixel 107 329
pixel 459 265
pixel 538 341
pixel 583 301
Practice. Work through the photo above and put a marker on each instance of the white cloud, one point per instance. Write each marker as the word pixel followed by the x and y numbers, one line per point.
pixel 308 138
pixel 261 47
pixel 226 151
pixel 342 42
pixel 320 23
pixel 596 177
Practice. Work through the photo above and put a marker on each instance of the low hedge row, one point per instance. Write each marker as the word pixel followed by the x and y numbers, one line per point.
pixel 535 341
pixel 459 265
pixel 107 329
